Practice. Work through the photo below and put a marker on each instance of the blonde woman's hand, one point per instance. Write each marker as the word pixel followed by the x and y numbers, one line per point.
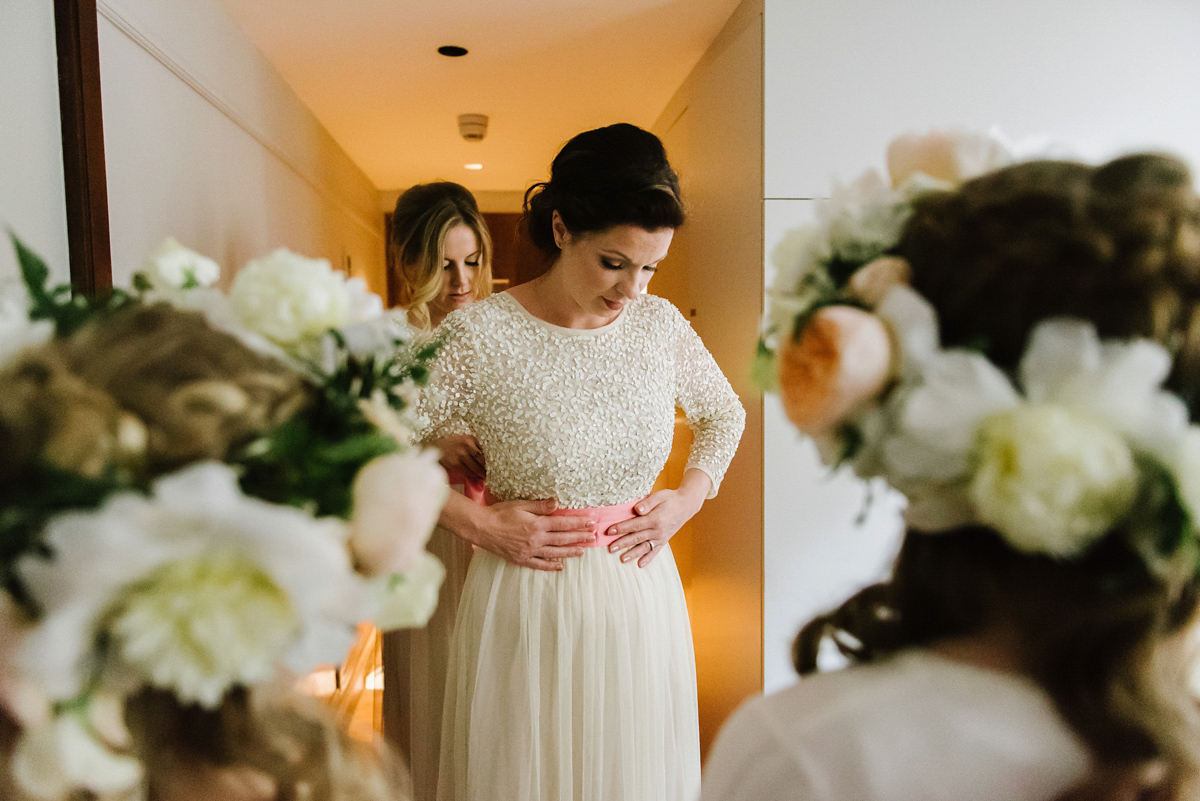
pixel 462 453
pixel 659 515
pixel 527 534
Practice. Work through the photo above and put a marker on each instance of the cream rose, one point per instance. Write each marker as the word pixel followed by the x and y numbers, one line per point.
pixel 950 156
pixel 172 265
pixel 286 297
pixel 407 600
pixel 397 499
pixel 1051 481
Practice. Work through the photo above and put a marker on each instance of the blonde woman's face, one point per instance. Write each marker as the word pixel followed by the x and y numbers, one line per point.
pixel 460 269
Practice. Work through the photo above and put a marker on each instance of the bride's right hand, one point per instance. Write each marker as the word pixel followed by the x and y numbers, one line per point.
pixel 527 534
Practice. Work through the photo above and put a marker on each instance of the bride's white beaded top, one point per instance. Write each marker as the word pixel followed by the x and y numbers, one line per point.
pixel 585 416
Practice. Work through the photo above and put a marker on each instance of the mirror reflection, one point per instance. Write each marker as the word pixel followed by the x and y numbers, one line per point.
pixel 340 132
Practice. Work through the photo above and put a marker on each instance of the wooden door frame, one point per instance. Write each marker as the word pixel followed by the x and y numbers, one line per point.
pixel 85 182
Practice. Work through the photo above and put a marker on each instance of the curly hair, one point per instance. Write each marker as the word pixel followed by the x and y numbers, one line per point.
pixel 1118 245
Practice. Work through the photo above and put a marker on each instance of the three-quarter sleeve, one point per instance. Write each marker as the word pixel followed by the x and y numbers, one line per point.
pixel 711 406
pixel 447 398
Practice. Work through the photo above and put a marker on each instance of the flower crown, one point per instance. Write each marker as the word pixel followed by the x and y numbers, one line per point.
pixel 1081 441
pixel 198 534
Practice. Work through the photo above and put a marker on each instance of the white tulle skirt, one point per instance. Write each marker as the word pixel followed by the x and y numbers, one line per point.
pixel 571 686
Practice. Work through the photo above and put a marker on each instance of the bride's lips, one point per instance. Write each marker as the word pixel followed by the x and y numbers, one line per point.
pixel 613 305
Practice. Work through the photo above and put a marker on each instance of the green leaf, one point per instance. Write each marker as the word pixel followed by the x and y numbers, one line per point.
pixel 34 271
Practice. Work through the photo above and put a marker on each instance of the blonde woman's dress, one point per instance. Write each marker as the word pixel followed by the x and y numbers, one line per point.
pixel 577 685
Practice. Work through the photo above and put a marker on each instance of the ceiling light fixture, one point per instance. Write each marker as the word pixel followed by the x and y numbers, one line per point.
pixel 454 51
pixel 473 166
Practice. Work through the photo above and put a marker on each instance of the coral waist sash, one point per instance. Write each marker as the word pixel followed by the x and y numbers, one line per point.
pixel 604 516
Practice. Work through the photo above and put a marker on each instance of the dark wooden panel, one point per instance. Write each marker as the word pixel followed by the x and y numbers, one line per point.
pixel 514 258
pixel 83 145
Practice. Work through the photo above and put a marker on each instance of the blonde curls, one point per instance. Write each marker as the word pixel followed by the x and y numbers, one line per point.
pixel 423 217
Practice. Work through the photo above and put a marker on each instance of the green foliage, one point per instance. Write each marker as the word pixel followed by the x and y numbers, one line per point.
pixel 67 310
pixel 310 461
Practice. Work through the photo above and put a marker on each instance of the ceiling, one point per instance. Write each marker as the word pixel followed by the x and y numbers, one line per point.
pixel 543 70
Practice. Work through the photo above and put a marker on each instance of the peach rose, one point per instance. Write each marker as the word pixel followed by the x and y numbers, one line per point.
pixel 841 358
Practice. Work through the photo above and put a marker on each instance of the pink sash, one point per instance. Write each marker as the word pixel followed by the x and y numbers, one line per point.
pixel 604 516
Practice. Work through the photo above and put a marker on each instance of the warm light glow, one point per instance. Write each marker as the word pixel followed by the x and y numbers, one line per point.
pixel 473 166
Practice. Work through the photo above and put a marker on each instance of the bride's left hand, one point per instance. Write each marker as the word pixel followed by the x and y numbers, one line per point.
pixel 659 515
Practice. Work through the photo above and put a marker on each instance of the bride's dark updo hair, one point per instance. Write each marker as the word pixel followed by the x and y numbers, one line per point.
pixel 1118 245
pixel 616 175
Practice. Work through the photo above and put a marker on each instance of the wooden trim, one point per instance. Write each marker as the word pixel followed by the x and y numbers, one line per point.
pixel 86 184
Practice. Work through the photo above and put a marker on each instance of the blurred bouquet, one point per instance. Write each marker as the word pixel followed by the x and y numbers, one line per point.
pixel 199 492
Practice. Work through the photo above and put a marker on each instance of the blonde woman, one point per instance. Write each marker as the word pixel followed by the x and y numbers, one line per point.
pixel 440 255
pixel 439 251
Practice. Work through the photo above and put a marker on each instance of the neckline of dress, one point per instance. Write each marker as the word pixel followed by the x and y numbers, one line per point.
pixel 563 330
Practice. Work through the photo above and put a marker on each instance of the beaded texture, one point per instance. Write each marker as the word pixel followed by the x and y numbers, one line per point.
pixel 585 416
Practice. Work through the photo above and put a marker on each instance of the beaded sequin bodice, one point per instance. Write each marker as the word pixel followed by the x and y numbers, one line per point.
pixel 585 416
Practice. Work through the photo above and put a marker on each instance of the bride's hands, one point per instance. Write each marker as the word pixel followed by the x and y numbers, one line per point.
pixel 659 515
pixel 527 534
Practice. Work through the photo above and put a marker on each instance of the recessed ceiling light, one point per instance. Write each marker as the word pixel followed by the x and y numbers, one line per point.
pixel 454 51
pixel 473 166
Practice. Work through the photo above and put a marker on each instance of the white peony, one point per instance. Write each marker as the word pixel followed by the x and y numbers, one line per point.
pixel 397 499
pixel 1117 382
pixel 198 586
pixel 63 755
pixel 407 600
pixel 1051 481
pixel 174 266
pixel 287 298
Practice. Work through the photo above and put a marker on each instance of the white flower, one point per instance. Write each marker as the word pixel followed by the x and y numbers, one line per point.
pixel 17 331
pixel 397 499
pixel 286 297
pixel 172 265
pixel 937 421
pixel 1052 481
pixel 1117 382
pixel 407 600
pixel 364 304
pixel 195 585
pixel 863 219
pixel 20 694
pixel 62 755
pixel 199 626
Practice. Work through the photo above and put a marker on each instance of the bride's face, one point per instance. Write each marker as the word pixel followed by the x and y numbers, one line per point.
pixel 604 270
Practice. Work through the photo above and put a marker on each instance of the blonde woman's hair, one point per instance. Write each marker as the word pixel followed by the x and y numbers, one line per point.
pixel 424 215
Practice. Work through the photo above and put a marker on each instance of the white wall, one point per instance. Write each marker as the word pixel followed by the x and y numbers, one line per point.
pixel 32 202
pixel 206 143
pixel 845 76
